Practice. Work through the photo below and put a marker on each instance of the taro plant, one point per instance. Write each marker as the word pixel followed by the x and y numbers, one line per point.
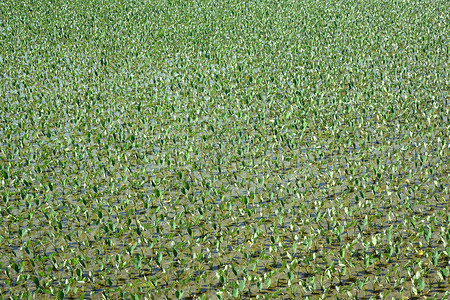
pixel 183 149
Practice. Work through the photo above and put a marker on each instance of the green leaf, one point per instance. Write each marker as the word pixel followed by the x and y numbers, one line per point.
pixel 242 285
pixel 138 262
pixel 133 247
pixel 175 252
pixel 427 234
pixel 374 240
pixel 234 269
pixel 260 286
pixel 294 247
pixel 389 235
pixel 159 258
pixel 66 289
pixel 435 257
pixel 235 293
pixel 18 267
pixel 268 282
pixel 179 294
pixel 290 275
pixel 36 282
pixel 219 295
pixel 135 297
pixel 420 284
pixel 360 284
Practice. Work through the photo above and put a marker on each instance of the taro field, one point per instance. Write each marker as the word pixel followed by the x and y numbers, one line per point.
pixel 207 149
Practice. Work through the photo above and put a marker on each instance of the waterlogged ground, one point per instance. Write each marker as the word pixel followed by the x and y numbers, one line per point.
pixel 224 149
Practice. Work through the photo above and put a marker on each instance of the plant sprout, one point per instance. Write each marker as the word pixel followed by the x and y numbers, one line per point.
pixel 224 149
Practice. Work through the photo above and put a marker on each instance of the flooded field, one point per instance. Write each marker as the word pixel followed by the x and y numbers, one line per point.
pixel 224 149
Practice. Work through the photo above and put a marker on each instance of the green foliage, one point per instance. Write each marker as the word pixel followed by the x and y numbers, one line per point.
pixel 229 149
